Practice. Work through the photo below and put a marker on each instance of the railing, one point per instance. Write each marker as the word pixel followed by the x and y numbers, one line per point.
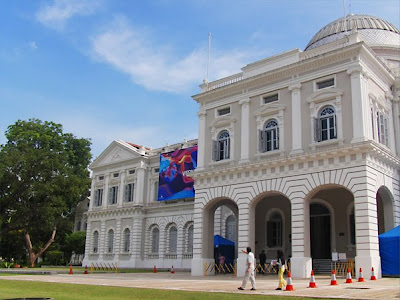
pixel 220 269
pixel 152 256
pixel 224 81
pixel 187 256
pixel 171 256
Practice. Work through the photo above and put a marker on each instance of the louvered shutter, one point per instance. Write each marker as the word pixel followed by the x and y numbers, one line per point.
pixel 262 146
pixel 228 148
pixel 317 132
pixel 277 139
pixel 215 151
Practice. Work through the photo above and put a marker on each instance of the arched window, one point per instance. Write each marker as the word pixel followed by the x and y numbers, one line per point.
pixel 173 240
pixel 190 239
pixel 155 239
pixel 127 240
pixel 110 238
pixel 325 125
pixel 230 228
pixel 274 231
pixel 221 146
pixel 269 136
pixel 95 242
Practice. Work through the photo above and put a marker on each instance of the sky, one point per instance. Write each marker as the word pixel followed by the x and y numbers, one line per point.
pixel 127 69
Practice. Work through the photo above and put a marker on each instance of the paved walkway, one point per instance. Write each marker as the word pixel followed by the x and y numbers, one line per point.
pixel 386 288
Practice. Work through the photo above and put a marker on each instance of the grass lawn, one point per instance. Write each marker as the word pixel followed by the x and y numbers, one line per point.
pixel 62 291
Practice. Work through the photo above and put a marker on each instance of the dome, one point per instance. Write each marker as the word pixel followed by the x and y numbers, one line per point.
pixel 373 30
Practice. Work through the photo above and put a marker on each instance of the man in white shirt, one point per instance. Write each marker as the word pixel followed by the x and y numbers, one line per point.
pixel 249 270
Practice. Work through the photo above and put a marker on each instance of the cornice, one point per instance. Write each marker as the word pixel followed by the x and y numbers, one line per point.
pixel 292 70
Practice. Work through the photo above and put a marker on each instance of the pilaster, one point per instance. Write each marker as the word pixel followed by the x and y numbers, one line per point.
pixel 245 130
pixel 296 119
pixel 201 140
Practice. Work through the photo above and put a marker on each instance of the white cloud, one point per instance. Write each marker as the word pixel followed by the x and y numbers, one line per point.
pixel 56 15
pixel 155 66
pixel 33 45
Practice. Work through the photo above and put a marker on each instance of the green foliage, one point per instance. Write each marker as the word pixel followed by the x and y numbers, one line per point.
pixel 74 243
pixel 43 175
pixel 55 257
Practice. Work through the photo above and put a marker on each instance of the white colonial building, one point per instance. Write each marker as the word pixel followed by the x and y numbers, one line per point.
pixel 299 152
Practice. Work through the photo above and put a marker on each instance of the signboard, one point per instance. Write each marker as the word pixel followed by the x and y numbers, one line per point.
pixel 173 184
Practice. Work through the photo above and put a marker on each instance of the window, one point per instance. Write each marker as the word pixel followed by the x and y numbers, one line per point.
pixel 382 125
pixel 116 175
pixel 269 136
pixel 155 238
pixel 325 124
pixel 274 231
pixel 129 189
pixel 270 98
pixel 131 172
pixel 113 195
pixel 224 111
pixel 173 240
pixel 101 177
pixel 325 83
pixel 221 146
pixel 95 242
pixel 127 240
pixel 231 228
pixel 156 191
pixel 98 197
pixel 190 239
pixel 110 238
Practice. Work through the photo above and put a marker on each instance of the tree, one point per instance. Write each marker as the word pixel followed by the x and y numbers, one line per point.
pixel 43 175
pixel 74 243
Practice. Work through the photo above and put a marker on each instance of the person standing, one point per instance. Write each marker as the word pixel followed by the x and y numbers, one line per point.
pixel 281 270
pixel 249 274
pixel 263 260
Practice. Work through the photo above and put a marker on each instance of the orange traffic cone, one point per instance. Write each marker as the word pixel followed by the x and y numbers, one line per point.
pixel 348 277
pixel 289 285
pixel 154 269
pixel 172 270
pixel 312 280
pixel 70 269
pixel 85 270
pixel 373 274
pixel 361 277
pixel 333 278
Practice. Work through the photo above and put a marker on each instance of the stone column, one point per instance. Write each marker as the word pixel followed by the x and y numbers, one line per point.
pixel 121 189
pixel 106 190
pixel 245 235
pixel 201 140
pixel 366 219
pixel 297 146
pixel 140 184
pixel 300 263
pixel 359 104
pixel 245 130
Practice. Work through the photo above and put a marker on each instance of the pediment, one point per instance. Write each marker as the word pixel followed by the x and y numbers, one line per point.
pixel 269 109
pixel 116 152
pixel 324 95
pixel 222 121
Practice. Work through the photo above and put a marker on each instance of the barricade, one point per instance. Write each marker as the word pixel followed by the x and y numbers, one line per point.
pixel 103 267
pixel 218 269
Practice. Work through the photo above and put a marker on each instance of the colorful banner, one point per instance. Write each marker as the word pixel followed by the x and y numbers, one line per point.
pixel 173 184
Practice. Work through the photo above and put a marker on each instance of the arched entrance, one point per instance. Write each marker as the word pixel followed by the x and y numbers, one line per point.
pixel 385 210
pixel 320 231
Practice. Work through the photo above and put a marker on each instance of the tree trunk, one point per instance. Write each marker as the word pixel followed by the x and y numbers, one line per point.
pixel 32 256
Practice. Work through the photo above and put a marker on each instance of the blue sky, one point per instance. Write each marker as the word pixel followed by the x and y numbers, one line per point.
pixel 120 69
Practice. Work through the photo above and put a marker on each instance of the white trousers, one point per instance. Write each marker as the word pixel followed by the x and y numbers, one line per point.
pixel 252 277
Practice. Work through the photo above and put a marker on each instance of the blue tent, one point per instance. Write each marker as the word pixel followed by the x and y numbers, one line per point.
pixel 389 249
pixel 219 240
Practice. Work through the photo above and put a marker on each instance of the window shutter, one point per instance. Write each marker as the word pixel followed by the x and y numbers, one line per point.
pixel 386 131
pixel 215 150
pixel 126 194
pixel 334 127
pixel 96 198
pixel 133 192
pixel 317 133
pixel 228 148
pixel 262 141
pixel 277 139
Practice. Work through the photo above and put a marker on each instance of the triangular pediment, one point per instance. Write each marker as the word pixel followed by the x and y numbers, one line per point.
pixel 116 152
pixel 269 109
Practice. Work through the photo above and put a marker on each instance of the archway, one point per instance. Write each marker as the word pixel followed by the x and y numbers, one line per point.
pixel 384 209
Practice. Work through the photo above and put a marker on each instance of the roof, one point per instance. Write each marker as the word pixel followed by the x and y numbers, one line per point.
pixel 373 30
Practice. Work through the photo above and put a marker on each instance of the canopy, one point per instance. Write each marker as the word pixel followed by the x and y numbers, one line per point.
pixel 219 240
pixel 389 249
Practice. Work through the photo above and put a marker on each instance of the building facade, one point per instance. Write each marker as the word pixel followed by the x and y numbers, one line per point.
pixel 299 152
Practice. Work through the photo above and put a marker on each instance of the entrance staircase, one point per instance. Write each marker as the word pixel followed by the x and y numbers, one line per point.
pixel 322 265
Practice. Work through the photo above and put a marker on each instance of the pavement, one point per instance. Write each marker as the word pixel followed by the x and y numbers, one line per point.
pixel 385 288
